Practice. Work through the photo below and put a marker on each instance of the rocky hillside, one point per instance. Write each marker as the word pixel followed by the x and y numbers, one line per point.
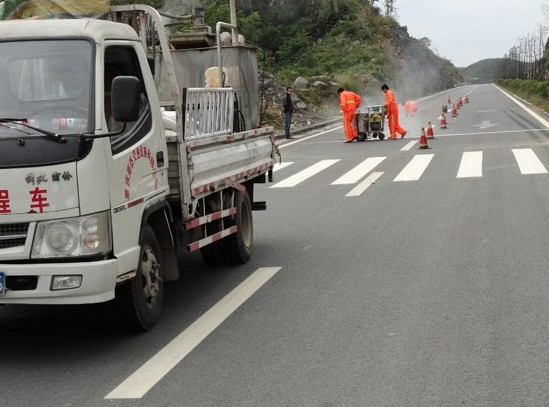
pixel 413 70
pixel 418 71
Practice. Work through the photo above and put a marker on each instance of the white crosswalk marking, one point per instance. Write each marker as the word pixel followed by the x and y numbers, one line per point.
pixel 528 161
pixel 305 174
pixel 353 176
pixel 471 165
pixel 360 188
pixel 279 166
pixel 409 145
pixel 415 168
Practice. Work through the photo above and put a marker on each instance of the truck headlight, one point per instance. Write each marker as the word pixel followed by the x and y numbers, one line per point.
pixel 83 236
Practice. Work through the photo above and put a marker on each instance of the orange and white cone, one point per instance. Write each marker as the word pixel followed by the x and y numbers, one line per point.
pixel 466 99
pixel 449 101
pixel 454 111
pixel 430 132
pixel 443 123
pixel 423 140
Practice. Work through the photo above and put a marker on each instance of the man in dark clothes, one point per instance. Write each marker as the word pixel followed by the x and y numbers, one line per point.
pixel 288 110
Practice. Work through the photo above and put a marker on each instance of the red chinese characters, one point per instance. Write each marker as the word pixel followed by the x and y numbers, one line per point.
pixel 39 200
pixel 4 201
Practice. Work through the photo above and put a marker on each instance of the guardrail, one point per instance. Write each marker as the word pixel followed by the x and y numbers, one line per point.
pixel 208 112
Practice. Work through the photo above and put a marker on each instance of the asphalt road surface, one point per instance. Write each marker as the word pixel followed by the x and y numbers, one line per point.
pixel 382 275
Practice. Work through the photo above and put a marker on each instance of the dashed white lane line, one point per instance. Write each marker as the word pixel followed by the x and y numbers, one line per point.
pixel 471 165
pixel 415 168
pixel 528 161
pixel 360 188
pixel 354 175
pixel 144 378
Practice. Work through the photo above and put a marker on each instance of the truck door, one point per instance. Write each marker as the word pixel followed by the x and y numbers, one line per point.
pixel 138 157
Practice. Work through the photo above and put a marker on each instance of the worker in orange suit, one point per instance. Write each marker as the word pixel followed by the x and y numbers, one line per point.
pixel 392 113
pixel 350 101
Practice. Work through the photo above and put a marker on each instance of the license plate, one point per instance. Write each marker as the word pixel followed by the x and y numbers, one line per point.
pixel 2 283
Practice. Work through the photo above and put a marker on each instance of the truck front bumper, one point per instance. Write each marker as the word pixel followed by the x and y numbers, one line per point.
pixel 98 283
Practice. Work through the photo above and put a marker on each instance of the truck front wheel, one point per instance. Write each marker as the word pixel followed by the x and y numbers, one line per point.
pixel 238 246
pixel 141 298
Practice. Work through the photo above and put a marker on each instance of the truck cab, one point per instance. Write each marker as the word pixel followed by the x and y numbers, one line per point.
pixel 60 178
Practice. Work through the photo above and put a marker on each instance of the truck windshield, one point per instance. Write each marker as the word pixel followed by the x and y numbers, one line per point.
pixel 47 84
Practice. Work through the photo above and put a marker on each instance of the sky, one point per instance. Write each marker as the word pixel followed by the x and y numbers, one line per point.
pixel 467 31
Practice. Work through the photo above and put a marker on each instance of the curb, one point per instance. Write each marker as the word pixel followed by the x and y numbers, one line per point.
pixel 306 129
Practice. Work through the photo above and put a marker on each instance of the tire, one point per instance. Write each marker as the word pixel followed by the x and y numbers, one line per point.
pixel 361 137
pixel 238 246
pixel 381 136
pixel 141 298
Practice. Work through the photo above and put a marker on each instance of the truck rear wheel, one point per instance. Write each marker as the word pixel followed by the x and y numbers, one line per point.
pixel 141 298
pixel 238 246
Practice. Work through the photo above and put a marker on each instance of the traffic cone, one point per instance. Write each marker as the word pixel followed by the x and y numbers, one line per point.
pixel 423 140
pixel 449 101
pixel 454 111
pixel 443 123
pixel 459 103
pixel 430 132
pixel 466 99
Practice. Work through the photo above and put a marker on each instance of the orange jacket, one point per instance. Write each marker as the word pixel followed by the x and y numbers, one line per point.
pixel 350 101
pixel 389 98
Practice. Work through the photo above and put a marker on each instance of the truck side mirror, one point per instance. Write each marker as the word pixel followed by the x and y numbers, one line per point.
pixel 125 98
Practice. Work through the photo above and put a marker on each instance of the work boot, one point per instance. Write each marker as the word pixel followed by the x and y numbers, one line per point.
pixel 403 134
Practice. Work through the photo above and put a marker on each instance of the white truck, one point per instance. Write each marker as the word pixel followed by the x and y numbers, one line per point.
pixel 114 155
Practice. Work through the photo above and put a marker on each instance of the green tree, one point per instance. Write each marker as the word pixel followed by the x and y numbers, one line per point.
pixel 157 4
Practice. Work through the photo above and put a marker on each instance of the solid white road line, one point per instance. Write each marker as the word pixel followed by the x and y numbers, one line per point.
pixel 360 188
pixel 409 145
pixel 353 176
pixel 415 168
pixel 530 111
pixel 144 378
pixel 291 143
pixel 305 174
pixel 279 166
pixel 471 165
pixel 528 161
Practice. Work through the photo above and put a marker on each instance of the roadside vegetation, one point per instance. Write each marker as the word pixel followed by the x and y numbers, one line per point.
pixel 534 91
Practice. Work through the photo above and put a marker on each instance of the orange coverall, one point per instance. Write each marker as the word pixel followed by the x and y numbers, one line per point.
pixel 392 115
pixel 350 101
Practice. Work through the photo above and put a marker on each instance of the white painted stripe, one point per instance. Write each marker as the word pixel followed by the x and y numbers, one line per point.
pixel 360 188
pixel 409 145
pixel 530 111
pixel 291 143
pixel 144 378
pixel 353 176
pixel 279 166
pixel 471 165
pixel 305 174
pixel 415 168
pixel 528 161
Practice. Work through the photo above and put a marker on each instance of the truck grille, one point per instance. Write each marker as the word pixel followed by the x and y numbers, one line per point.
pixel 13 235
